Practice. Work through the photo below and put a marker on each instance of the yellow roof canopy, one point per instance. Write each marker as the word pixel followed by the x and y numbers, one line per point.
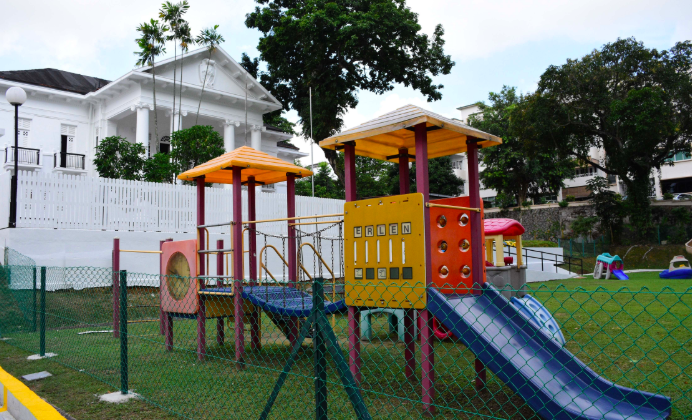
pixel 265 168
pixel 382 137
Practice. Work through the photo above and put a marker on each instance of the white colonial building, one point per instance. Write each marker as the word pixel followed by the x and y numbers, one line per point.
pixel 67 114
pixel 675 178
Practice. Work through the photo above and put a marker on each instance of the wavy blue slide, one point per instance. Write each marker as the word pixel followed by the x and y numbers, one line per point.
pixel 549 378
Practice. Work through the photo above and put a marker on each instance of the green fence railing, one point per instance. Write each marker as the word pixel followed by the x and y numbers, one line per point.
pixel 480 358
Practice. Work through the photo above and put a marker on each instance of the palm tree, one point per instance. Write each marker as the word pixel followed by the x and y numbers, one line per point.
pixel 173 15
pixel 185 42
pixel 210 39
pixel 151 44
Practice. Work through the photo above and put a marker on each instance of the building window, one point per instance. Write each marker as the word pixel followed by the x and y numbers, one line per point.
pixel 584 171
pixel 457 164
pixel 680 156
pixel 165 145
pixel 24 128
pixel 67 138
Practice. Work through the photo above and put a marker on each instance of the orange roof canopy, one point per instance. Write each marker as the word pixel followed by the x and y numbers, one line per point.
pixel 382 137
pixel 265 168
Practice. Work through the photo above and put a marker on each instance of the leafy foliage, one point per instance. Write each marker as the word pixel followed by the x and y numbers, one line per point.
pixel 517 168
pixel 340 47
pixel 211 39
pixel 584 226
pixel 632 101
pixel 325 185
pixel 159 168
pixel 195 145
pixel 119 159
pixel 151 45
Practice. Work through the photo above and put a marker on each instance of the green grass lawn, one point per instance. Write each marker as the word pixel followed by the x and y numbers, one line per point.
pixel 636 339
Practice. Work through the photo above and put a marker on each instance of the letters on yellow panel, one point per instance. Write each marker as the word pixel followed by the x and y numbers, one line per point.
pixel 384 240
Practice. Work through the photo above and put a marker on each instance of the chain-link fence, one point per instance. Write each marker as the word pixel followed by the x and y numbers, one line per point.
pixel 295 352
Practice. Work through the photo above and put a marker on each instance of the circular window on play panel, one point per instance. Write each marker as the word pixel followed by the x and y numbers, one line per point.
pixel 442 246
pixel 463 219
pixel 444 271
pixel 178 272
pixel 441 221
pixel 464 245
pixel 465 271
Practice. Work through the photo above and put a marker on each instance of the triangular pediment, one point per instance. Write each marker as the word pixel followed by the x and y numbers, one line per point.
pixel 223 74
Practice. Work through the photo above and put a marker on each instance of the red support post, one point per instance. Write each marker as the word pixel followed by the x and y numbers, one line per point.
pixel 255 333
pixel 354 360
pixel 201 271
pixel 238 271
pixel 163 326
pixel 292 248
pixel 427 338
pixel 220 332
pixel 409 314
pixel 477 261
pixel 116 287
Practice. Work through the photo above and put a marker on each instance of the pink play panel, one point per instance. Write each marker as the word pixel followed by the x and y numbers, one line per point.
pixel 504 227
pixel 178 291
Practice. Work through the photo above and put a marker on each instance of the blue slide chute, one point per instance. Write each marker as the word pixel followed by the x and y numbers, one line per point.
pixel 548 377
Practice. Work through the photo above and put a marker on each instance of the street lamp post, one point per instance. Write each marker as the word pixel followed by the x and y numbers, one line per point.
pixel 15 96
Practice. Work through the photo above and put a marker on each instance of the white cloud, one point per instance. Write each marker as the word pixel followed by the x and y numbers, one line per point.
pixel 479 28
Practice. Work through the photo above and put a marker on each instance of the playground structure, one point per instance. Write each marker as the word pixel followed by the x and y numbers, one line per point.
pixel 679 268
pixel 422 259
pixel 607 265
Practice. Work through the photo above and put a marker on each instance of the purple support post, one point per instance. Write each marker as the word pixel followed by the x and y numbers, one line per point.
pixel 427 339
pixel 255 336
pixel 292 248
pixel 201 271
pixel 477 262
pixel 169 331
pixel 116 287
pixel 409 314
pixel 238 271
pixel 219 283
pixel 354 359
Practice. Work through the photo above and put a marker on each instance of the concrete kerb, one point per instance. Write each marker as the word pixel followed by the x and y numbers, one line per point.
pixel 22 403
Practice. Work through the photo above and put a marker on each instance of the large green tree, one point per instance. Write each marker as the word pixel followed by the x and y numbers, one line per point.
pixel 325 184
pixel 339 47
pixel 517 168
pixel 441 178
pixel 632 101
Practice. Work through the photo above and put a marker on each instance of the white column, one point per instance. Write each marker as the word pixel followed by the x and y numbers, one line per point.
pixel 229 134
pixel 256 136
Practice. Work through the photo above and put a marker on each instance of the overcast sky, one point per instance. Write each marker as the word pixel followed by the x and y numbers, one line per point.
pixel 493 43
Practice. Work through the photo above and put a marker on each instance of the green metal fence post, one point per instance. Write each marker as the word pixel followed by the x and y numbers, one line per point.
pixel 123 333
pixel 583 249
pixel 42 326
pixel 570 247
pixel 320 352
pixel 33 302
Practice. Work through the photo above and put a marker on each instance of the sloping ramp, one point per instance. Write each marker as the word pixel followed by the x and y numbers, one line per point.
pixel 549 378
pixel 286 301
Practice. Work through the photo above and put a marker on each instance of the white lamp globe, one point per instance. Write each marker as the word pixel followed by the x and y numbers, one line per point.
pixel 15 95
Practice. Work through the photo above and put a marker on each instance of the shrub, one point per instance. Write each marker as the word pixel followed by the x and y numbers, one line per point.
pixel 570 198
pixel 563 203
pixel 195 145
pixel 526 204
pixel 667 196
pixel 159 169
pixel 119 159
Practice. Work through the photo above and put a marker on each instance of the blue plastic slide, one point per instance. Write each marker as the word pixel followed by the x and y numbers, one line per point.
pixel 549 378
pixel 620 275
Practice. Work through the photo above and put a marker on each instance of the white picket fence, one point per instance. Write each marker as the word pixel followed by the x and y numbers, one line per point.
pixel 59 201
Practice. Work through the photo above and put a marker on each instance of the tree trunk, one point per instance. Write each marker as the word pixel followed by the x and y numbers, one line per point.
pixel 175 67
pixel 206 73
pixel 180 96
pixel 332 158
pixel 156 119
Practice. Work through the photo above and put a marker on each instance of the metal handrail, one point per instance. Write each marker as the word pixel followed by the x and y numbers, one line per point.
pixel 578 262
pixel 9 155
pixel 80 162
